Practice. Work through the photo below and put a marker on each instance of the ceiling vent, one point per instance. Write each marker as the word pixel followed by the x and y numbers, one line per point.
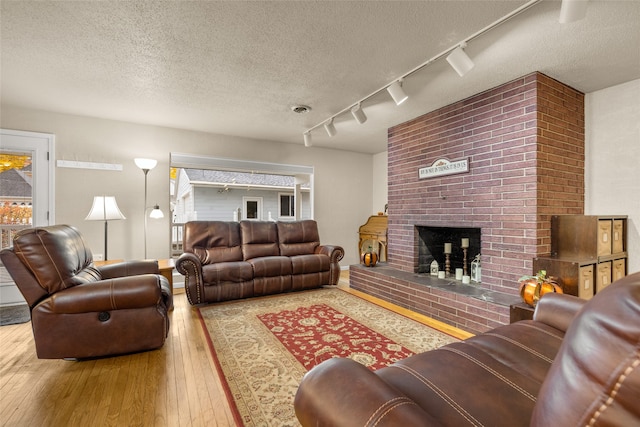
pixel 300 109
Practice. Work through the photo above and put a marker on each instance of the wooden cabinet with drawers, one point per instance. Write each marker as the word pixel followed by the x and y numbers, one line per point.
pixel 588 236
pixel 588 252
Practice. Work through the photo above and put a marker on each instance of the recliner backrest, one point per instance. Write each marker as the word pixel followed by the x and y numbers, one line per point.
pixel 213 241
pixel 595 378
pixel 57 257
pixel 298 238
pixel 259 239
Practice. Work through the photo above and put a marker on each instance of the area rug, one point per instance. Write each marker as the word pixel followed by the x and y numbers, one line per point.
pixel 14 314
pixel 263 346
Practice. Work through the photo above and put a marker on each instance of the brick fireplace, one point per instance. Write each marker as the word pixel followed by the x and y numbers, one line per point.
pixel 524 142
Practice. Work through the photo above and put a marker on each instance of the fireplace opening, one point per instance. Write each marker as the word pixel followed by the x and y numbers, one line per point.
pixel 431 246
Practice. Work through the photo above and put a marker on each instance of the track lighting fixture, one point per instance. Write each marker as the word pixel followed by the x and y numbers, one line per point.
pixel 572 10
pixel 330 128
pixel 396 92
pixel 358 114
pixel 460 61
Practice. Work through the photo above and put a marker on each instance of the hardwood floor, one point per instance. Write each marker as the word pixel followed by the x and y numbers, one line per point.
pixel 177 385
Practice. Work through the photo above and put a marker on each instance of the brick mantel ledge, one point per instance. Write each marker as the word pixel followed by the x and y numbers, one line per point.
pixel 468 307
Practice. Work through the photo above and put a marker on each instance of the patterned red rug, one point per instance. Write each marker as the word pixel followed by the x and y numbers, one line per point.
pixel 318 332
pixel 262 347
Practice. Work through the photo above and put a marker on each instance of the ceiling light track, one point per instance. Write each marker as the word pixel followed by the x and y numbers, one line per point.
pixel 456 56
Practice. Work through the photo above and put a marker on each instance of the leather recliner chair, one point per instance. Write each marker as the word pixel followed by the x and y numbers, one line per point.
pixel 79 310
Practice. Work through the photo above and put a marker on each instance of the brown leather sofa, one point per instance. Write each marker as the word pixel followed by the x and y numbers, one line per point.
pixel 82 311
pixel 577 363
pixel 229 260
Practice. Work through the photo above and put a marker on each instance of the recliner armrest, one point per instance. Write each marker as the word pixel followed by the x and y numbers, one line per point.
pixel 107 295
pixel 558 310
pixel 128 268
pixel 352 395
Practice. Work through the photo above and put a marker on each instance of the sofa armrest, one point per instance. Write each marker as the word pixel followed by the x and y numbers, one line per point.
pixel 558 310
pixel 112 294
pixel 343 393
pixel 128 268
pixel 335 253
pixel 190 267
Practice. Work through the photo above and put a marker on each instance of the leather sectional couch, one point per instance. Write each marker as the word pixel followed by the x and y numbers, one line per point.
pixel 231 260
pixel 577 363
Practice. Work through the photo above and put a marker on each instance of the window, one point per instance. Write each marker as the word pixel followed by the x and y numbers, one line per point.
pixel 287 205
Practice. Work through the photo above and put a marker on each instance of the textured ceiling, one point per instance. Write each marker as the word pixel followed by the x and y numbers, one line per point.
pixel 237 67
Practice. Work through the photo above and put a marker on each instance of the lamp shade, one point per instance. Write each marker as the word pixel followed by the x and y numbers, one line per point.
pixel 460 61
pixel 104 208
pixel 147 164
pixel 156 213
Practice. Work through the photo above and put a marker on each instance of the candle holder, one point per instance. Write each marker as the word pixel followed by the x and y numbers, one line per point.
pixel 447 264
pixel 464 261
pixel 465 247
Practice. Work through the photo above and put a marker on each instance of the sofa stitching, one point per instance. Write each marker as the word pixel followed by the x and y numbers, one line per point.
pixel 539 329
pixel 451 402
pixel 522 346
pixel 381 407
pixel 614 391
pixel 491 371
pixel 388 406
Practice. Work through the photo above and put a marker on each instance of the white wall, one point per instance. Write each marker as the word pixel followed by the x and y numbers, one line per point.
pixel 612 178
pixel 380 182
pixel 343 198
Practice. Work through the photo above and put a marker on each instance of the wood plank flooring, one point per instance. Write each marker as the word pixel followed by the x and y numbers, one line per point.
pixel 177 385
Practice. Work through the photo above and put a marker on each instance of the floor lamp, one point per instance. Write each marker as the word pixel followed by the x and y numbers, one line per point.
pixel 146 165
pixel 105 208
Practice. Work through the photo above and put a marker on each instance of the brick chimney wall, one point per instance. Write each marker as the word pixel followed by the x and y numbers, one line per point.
pixel 525 145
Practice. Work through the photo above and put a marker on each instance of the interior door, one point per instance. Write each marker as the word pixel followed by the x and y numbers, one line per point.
pixel 26 193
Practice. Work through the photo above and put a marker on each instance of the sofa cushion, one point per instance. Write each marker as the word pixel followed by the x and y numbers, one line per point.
pixel 259 239
pixel 312 263
pixel 213 241
pixel 221 272
pixel 57 256
pixel 271 266
pixel 597 368
pixel 298 238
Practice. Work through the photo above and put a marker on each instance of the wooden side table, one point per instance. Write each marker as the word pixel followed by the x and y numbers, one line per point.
pixel 166 267
pixel 520 311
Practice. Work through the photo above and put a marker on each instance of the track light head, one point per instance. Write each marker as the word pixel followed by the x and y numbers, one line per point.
pixel 572 10
pixel 330 128
pixel 460 61
pixel 358 114
pixel 307 139
pixel 396 92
